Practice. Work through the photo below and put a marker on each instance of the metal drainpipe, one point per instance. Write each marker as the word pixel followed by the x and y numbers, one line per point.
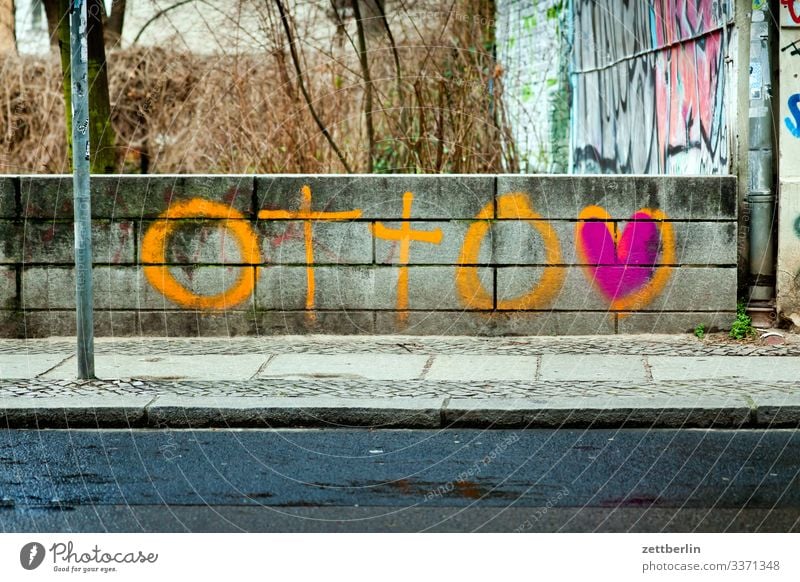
pixel 761 195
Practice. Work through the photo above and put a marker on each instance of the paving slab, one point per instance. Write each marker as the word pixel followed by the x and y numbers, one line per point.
pixel 768 368
pixel 483 368
pixel 165 365
pixel 592 367
pixel 25 365
pixel 371 366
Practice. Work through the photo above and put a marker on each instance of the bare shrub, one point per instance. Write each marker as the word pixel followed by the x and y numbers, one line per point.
pixel 436 101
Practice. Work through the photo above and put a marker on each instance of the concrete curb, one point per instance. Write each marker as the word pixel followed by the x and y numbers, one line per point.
pixel 182 412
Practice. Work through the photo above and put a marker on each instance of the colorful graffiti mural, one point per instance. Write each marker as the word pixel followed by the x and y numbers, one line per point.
pixel 649 87
pixel 629 268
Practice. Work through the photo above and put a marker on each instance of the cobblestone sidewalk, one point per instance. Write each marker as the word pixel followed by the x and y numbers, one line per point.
pixel 248 378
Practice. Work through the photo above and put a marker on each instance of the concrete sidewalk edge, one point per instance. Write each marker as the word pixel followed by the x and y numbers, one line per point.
pixel 182 412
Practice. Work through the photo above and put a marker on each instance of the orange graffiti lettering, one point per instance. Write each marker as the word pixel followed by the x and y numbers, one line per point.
pixel 405 235
pixel 154 251
pixel 468 283
pixel 305 214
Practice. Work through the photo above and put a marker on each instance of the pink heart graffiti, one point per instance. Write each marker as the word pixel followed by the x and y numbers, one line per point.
pixel 625 267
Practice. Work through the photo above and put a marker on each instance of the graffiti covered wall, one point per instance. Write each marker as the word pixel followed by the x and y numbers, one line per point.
pixel 650 86
pixel 617 86
pixel 482 255
pixel 788 269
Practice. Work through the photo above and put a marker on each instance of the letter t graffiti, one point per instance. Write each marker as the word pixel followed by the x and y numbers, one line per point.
pixel 405 235
pixel 305 214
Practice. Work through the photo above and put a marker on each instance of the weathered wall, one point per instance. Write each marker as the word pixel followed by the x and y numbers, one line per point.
pixel 788 269
pixel 650 86
pixel 372 254
pixel 533 50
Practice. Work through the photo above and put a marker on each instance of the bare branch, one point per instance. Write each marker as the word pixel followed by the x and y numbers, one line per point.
pixel 296 60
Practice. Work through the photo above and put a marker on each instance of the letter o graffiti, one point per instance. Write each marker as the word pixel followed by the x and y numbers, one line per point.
pixel 468 283
pixel 154 251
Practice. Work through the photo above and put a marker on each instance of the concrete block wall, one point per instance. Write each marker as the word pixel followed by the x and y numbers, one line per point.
pixel 485 255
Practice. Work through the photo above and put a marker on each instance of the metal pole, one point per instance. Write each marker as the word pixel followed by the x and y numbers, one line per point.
pixel 761 197
pixel 81 189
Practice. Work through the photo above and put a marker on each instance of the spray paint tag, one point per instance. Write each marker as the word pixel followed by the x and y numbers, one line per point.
pixel 790 13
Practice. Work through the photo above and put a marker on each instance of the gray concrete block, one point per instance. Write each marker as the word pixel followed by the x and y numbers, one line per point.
pixel 687 289
pixel 434 288
pixel 193 323
pixel 121 196
pixel 25 365
pixel 8 202
pixel 183 412
pixel 575 294
pixel 596 412
pixel 447 252
pixel 705 243
pixel 436 323
pixel 695 198
pixel 282 288
pixel 54 242
pixel 511 323
pixel 337 288
pixel 380 197
pixel 764 369
pixel 777 410
pixel 318 322
pixel 465 368
pixel 54 288
pixel 11 324
pixel 123 287
pixel 188 323
pixel 696 289
pixel 8 288
pixel 10 241
pixel 53 322
pixel 366 366
pixel 283 242
pixel 559 367
pixel 74 412
pixel 672 322
pixel 167 366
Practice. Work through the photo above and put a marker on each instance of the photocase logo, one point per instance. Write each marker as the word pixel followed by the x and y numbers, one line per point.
pixel 32 555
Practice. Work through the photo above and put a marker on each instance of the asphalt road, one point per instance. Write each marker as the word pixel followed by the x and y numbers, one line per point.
pixel 399 480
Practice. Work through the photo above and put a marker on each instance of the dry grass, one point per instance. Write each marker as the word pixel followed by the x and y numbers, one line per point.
pixel 176 112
